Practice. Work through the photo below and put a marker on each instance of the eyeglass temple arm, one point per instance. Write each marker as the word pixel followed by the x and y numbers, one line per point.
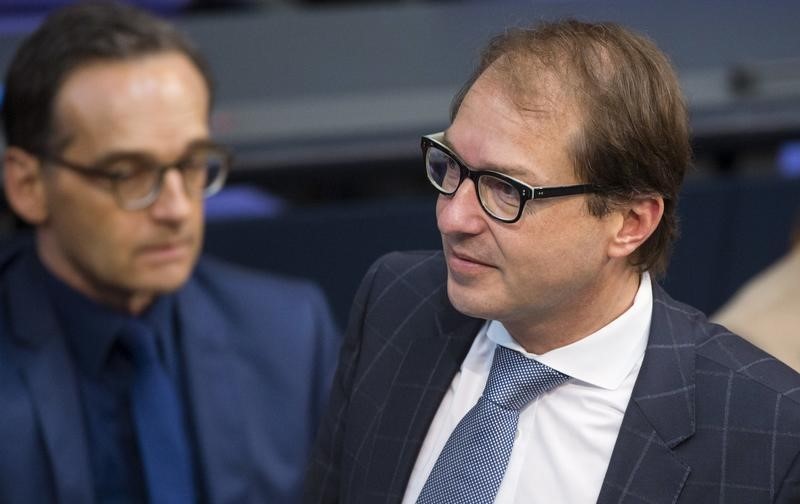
pixel 553 192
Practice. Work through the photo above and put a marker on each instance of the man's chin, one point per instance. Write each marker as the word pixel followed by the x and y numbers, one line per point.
pixel 469 300
pixel 165 281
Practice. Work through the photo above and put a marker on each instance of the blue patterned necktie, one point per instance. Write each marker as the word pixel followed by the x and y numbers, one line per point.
pixel 160 433
pixel 474 459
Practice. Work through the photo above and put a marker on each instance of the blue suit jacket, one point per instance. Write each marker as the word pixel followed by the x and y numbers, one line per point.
pixel 711 419
pixel 258 354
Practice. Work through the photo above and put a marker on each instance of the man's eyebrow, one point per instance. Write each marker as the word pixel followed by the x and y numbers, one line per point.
pixel 142 154
pixel 517 172
pixel 118 155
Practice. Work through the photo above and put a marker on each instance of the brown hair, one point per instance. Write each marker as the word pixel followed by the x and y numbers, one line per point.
pixel 634 137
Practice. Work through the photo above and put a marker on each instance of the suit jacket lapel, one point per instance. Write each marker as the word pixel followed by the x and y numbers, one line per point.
pixel 430 361
pixel 43 357
pixel 213 396
pixel 660 415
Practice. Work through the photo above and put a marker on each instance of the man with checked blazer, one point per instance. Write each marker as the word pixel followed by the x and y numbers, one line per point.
pixel 558 181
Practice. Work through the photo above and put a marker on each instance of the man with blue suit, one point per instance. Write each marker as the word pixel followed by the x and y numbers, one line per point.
pixel 130 369
pixel 535 359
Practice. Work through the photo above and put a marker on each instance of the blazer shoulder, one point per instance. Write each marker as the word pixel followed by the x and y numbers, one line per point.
pixel 404 289
pixel 410 258
pixel 246 297
pixel 726 351
pixel 216 275
pixel 721 351
pixel 420 268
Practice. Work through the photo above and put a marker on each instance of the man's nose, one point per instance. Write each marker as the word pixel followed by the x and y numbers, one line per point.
pixel 460 213
pixel 173 203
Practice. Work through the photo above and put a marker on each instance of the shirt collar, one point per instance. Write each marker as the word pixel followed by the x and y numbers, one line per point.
pixel 603 358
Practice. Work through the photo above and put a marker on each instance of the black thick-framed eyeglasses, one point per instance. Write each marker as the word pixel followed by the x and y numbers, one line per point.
pixel 500 196
pixel 136 179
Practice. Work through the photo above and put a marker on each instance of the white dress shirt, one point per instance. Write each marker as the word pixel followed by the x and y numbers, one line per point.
pixel 564 437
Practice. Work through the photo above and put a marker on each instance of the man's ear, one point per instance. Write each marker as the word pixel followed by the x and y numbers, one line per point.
pixel 23 182
pixel 640 219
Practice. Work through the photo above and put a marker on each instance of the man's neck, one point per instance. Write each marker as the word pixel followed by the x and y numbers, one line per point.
pixel 117 299
pixel 582 316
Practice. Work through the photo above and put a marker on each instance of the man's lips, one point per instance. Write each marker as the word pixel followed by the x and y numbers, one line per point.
pixel 463 261
pixel 167 250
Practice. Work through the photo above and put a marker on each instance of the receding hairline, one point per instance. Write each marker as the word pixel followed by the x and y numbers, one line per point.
pixel 58 118
pixel 572 60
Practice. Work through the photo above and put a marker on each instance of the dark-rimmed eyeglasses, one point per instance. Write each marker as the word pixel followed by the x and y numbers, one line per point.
pixel 500 196
pixel 136 179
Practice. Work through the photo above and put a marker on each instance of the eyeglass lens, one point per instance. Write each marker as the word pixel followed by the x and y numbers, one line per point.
pixel 138 179
pixel 498 197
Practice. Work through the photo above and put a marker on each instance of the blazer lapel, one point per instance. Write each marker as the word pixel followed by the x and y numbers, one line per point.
pixel 44 361
pixel 213 396
pixel 660 415
pixel 428 365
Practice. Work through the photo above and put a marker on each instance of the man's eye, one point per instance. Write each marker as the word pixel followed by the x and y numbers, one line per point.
pixel 124 170
pixel 196 161
pixel 203 158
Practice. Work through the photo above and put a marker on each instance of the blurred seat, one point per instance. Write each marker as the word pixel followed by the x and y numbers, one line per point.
pixel 760 224
pixel 332 245
pixel 699 262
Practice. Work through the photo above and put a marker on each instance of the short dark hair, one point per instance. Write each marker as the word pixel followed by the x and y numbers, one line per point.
pixel 68 39
pixel 634 136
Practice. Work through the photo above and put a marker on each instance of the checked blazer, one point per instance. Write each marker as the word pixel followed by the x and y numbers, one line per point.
pixel 711 419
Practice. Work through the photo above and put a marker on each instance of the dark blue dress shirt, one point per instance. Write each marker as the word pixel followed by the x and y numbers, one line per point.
pixel 104 373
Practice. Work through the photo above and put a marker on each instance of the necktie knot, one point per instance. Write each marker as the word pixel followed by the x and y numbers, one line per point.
pixel 140 341
pixel 515 380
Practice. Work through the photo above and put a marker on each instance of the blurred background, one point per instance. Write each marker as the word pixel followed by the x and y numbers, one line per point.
pixel 324 101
